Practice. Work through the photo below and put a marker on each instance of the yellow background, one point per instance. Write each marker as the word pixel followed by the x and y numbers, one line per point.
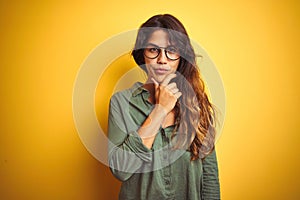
pixel 254 44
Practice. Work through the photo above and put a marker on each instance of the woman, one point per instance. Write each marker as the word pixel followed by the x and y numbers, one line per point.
pixel 162 132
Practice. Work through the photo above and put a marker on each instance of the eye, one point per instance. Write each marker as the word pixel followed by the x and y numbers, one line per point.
pixel 172 49
pixel 153 49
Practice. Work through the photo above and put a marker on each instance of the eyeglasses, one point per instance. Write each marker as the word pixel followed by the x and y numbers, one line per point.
pixel 152 51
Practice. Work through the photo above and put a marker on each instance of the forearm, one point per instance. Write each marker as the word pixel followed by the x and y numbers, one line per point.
pixel 211 185
pixel 151 125
pixel 127 158
pixel 126 152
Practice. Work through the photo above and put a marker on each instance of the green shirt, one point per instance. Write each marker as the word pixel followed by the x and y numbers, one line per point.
pixel 160 172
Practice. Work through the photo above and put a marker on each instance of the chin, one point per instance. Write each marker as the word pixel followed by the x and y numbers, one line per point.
pixel 160 78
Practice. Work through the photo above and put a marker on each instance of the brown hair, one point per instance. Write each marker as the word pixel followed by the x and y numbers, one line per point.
pixel 193 110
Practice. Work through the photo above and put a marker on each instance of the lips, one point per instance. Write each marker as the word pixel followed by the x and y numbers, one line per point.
pixel 161 71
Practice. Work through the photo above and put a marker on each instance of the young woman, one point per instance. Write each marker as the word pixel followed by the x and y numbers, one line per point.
pixel 162 132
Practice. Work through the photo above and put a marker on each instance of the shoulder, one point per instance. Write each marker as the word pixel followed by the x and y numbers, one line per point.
pixel 125 95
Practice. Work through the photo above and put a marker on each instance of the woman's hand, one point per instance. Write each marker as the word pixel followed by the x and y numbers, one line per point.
pixel 166 93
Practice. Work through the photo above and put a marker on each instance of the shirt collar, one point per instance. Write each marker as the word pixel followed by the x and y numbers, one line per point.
pixel 139 90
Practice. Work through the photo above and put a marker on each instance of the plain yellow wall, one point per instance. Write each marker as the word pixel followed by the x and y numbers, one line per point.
pixel 254 44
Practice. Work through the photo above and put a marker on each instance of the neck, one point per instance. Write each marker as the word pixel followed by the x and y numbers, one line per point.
pixel 150 87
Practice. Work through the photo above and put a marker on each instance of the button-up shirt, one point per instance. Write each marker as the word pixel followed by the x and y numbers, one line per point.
pixel 161 172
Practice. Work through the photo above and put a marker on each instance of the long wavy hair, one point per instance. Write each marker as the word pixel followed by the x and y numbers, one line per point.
pixel 194 113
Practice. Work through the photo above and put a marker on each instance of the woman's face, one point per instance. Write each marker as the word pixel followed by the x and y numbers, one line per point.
pixel 159 67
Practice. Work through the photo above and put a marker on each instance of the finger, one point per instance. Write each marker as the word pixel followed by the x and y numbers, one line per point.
pixel 167 79
pixel 155 83
pixel 171 86
pixel 156 87
pixel 175 90
pixel 178 94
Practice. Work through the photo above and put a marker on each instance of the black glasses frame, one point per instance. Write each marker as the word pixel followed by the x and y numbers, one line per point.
pixel 159 52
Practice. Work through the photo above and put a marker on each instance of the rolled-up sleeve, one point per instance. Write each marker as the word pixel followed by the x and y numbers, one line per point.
pixel 126 151
pixel 211 185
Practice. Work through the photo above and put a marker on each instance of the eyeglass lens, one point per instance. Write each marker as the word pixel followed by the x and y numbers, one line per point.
pixel 153 51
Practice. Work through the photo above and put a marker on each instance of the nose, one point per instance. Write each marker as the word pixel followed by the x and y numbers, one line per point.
pixel 162 58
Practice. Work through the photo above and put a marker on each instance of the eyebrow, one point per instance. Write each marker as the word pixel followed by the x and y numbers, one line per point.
pixel 159 46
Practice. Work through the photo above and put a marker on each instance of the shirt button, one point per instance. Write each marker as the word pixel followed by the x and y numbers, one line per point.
pixel 167 182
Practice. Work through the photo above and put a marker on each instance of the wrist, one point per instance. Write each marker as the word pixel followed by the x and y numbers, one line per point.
pixel 159 111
